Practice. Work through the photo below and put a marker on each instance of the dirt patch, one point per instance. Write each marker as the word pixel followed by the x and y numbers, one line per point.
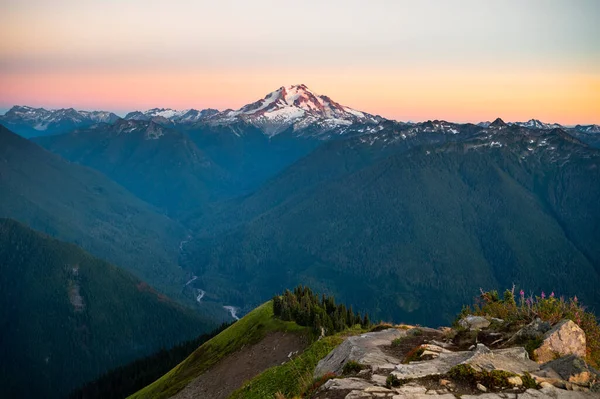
pixel 234 370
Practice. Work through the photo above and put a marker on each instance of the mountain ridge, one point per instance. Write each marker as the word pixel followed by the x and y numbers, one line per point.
pixel 289 107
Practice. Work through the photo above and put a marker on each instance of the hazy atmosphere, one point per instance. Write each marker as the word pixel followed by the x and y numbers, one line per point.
pixel 460 61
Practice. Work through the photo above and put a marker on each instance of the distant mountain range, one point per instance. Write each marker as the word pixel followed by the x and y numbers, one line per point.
pixel 403 220
pixel 295 107
pixel 186 116
pixel 33 122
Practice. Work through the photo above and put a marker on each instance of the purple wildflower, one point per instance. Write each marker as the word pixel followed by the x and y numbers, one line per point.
pixel 543 295
pixel 552 294
pixel 522 293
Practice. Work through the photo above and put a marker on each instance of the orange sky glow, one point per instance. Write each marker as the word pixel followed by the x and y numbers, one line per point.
pixel 463 61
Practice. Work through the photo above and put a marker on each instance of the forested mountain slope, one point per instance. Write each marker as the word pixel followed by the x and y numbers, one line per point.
pixel 412 235
pixel 80 205
pixel 66 316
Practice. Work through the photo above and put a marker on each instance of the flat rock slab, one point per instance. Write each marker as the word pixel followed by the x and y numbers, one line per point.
pixel 514 360
pixel 364 349
pixel 346 384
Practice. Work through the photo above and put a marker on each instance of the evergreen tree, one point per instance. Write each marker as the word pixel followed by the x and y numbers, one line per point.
pixel 306 308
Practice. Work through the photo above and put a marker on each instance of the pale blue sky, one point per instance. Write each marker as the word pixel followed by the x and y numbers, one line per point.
pixel 298 41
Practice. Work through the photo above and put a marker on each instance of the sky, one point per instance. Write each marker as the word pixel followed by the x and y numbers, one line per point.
pixel 463 61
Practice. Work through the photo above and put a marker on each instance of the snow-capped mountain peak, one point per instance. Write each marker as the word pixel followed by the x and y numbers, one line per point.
pixel 295 106
pixel 537 124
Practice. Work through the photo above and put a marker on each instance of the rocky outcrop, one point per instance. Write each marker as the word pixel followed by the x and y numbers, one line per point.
pixel 413 390
pixel 364 349
pixel 565 338
pixel 514 360
pixel 435 373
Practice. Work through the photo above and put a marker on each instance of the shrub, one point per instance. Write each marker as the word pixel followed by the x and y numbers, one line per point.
pixel 397 341
pixel 352 367
pixel 529 382
pixel 531 345
pixel 393 381
pixel 549 308
pixel 414 354
pixel 381 327
pixel 467 374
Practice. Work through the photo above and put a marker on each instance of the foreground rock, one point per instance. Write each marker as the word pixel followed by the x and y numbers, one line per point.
pixel 572 369
pixel 384 376
pixel 565 338
pixel 514 360
pixel 364 349
pixel 357 389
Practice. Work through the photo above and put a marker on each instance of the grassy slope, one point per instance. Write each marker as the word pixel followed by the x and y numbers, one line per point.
pixel 291 378
pixel 249 330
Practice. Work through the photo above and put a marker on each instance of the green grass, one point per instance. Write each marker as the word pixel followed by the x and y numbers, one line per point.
pixel 247 331
pixel 291 378
pixel 295 378
pixel 494 378
pixel 352 367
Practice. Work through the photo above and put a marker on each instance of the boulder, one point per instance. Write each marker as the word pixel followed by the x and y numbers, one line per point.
pixel 565 338
pixel 474 322
pixel 572 369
